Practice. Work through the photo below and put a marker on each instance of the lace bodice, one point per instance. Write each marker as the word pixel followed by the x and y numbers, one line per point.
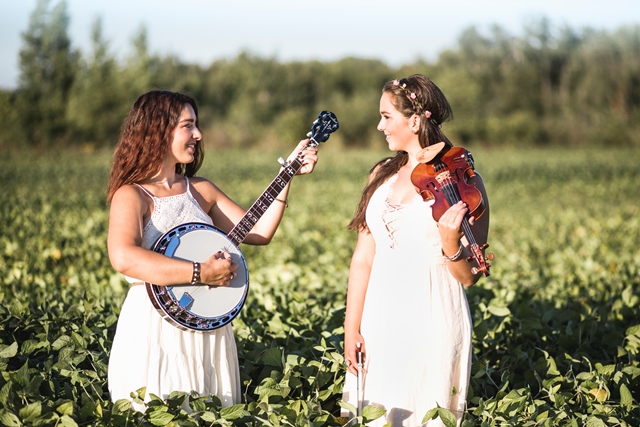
pixel 169 212
pixel 409 225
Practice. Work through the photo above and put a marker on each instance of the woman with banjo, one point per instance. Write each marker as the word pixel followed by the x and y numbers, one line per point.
pixel 152 189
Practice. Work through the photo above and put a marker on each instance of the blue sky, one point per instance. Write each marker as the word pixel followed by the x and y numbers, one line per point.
pixel 395 31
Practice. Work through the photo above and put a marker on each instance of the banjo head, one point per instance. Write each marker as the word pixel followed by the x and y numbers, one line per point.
pixel 199 307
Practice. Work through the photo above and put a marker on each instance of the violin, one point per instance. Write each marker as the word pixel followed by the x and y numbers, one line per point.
pixel 443 176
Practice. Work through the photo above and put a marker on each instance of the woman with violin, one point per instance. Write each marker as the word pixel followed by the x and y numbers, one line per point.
pixel 422 223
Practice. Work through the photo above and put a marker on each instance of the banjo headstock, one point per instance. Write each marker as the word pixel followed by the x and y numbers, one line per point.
pixel 322 128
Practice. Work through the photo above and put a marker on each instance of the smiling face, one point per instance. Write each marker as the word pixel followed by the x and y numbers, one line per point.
pixel 186 136
pixel 398 129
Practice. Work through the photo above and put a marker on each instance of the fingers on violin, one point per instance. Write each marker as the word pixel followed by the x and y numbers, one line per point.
pixel 457 213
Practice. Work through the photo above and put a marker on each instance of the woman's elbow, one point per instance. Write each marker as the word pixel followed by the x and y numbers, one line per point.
pixel 119 261
pixel 258 240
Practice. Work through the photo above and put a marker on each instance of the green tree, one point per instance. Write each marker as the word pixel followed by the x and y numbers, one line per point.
pixel 48 66
pixel 97 103
pixel 140 70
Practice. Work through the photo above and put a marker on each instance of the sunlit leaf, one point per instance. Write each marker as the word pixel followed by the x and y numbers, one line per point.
pixel 160 418
pixel 232 412
pixel 370 413
pixel 272 357
pixel 10 350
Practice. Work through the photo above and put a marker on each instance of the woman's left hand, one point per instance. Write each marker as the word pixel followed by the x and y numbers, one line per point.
pixel 450 223
pixel 309 157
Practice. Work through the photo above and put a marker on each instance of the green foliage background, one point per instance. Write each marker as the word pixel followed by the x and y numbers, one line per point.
pixel 556 330
pixel 548 85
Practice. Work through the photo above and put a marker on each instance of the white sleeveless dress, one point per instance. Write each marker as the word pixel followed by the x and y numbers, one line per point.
pixel 416 321
pixel 148 351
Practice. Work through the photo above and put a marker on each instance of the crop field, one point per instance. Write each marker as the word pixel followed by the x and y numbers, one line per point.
pixel 556 325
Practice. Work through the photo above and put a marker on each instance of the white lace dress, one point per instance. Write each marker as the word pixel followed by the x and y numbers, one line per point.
pixel 149 352
pixel 416 321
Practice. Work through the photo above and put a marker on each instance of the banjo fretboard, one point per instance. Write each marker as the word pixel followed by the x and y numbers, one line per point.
pixel 260 206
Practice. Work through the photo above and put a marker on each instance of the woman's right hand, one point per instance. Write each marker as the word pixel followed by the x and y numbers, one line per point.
pixel 219 269
pixel 351 342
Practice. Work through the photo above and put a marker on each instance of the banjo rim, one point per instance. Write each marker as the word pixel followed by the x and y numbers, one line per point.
pixel 167 305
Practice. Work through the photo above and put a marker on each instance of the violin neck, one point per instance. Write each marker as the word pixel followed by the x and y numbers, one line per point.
pixel 450 190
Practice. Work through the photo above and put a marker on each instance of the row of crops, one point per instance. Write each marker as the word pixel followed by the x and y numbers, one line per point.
pixel 556 325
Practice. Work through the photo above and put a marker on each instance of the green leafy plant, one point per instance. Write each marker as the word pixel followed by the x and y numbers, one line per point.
pixel 556 333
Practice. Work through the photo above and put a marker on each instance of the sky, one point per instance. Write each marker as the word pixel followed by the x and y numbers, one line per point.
pixel 394 31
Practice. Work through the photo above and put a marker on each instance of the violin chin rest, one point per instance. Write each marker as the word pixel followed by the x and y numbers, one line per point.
pixel 429 153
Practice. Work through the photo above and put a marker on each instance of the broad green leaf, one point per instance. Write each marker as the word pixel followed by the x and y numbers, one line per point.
pixel 605 369
pixel 625 395
pixel 430 415
pixel 208 416
pixel 65 409
pixel 121 406
pixel 31 411
pixel 9 419
pixel 370 413
pixel 61 342
pixel 67 421
pixel 160 418
pixel 348 406
pixel 595 422
pixel 447 417
pixel 10 350
pixel 272 357
pixel 499 311
pixel 233 412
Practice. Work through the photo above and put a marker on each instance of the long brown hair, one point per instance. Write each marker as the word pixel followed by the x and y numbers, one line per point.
pixel 415 94
pixel 145 138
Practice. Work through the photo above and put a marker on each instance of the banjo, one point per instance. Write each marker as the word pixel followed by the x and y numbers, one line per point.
pixel 202 307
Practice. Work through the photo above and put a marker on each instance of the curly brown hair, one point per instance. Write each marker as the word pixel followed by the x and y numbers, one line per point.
pixel 428 97
pixel 145 138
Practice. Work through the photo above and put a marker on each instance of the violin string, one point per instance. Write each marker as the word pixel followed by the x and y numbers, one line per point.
pixel 453 196
pixel 450 189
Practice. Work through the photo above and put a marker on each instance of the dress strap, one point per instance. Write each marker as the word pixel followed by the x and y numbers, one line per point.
pixel 145 190
pixel 188 188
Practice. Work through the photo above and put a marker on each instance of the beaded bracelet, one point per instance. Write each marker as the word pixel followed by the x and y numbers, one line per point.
pixel 195 278
pixel 286 202
pixel 455 257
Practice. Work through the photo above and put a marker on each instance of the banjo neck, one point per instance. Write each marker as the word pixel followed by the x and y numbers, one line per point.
pixel 260 206
pixel 323 126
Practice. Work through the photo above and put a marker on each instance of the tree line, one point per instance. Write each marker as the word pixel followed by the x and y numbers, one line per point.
pixel 549 86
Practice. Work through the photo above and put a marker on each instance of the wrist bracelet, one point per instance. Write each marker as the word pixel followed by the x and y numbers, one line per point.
pixel 195 278
pixel 455 257
pixel 286 202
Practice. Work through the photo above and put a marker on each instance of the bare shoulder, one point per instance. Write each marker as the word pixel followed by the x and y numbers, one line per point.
pixel 206 192
pixel 130 194
pixel 203 186
pixel 130 206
